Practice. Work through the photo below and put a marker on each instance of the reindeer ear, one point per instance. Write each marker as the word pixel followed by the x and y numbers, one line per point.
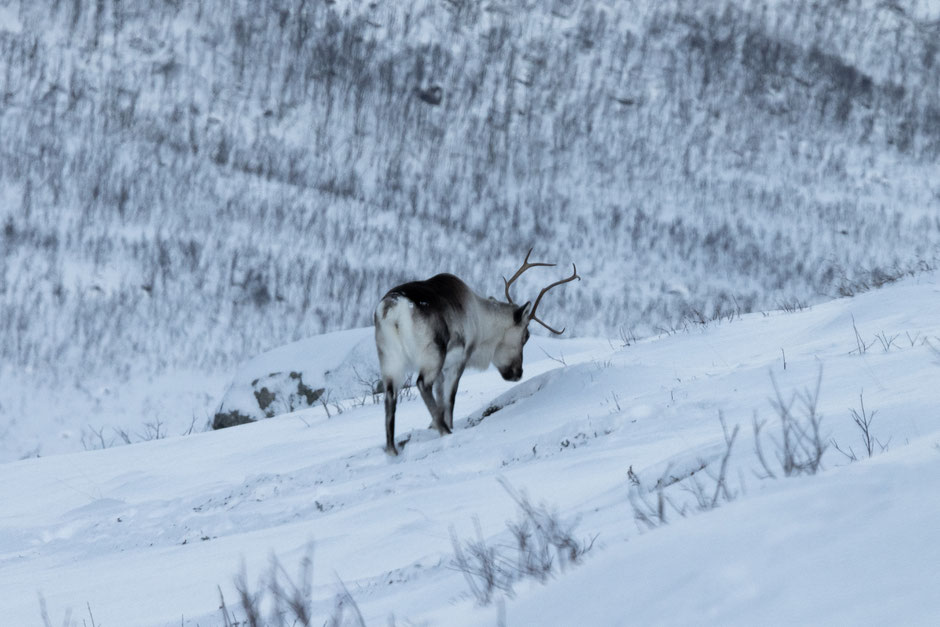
pixel 522 313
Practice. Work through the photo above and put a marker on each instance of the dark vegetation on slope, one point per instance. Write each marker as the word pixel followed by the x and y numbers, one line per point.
pixel 188 183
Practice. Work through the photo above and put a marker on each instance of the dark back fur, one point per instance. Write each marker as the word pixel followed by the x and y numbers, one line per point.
pixel 443 293
pixel 441 300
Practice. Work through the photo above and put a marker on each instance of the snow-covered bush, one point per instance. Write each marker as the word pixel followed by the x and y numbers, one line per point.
pixel 541 544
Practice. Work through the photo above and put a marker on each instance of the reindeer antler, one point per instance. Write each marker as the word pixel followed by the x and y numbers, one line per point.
pixel 574 275
pixel 525 266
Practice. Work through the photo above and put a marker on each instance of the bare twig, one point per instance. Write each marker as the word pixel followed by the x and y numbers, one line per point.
pixel 91 616
pixel 154 430
pixel 560 360
pixel 863 419
pixel 654 514
pixel 721 486
pixel 541 541
pixel 289 600
pixel 801 445
pixel 861 347
pixel 886 342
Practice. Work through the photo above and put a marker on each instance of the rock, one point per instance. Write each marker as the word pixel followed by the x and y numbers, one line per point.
pixel 335 366
pixel 432 95
pixel 229 419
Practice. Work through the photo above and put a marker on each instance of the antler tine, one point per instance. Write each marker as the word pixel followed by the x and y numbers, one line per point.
pixel 525 266
pixel 574 275
pixel 548 327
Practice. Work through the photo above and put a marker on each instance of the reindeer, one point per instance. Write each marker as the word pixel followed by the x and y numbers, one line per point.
pixel 439 327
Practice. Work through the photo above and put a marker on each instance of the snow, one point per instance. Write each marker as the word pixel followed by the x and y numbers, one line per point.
pixel 855 546
pixel 67 417
pixel 9 20
pixel 144 534
pixel 184 186
pixel 341 362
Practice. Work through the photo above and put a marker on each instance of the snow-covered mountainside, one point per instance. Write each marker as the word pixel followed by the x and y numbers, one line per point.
pixel 595 438
pixel 184 185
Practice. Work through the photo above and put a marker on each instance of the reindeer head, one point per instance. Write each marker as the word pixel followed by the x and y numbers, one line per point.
pixel 508 356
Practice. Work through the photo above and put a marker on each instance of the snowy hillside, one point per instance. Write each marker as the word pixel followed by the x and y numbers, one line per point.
pixel 149 534
pixel 184 185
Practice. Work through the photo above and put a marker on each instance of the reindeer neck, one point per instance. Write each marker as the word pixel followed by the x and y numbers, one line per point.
pixel 496 314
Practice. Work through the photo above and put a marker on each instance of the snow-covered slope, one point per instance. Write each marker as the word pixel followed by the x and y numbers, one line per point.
pixel 144 534
pixel 186 184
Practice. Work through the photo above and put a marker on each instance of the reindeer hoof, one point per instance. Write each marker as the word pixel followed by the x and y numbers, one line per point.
pixel 441 427
pixel 391 450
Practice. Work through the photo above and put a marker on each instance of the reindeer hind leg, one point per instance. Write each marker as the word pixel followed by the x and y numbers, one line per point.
pixel 450 392
pixel 426 387
pixel 391 400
